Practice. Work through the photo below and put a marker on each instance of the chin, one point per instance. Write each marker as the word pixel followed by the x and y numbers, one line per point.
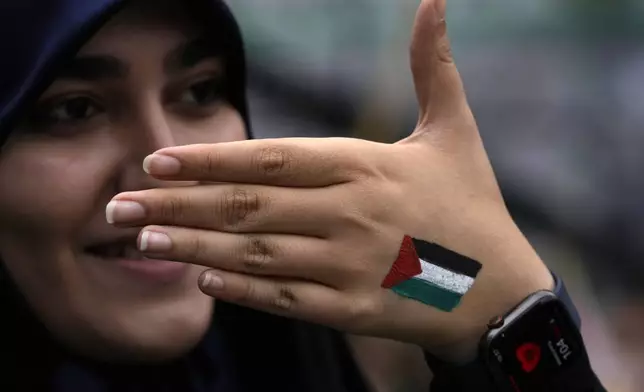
pixel 157 348
pixel 142 336
pixel 111 311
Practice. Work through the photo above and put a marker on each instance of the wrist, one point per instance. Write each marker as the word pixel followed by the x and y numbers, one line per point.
pixel 538 346
pixel 502 285
pixel 466 347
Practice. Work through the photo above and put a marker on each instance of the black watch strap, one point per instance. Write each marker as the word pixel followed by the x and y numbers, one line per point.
pixel 562 293
pixel 474 376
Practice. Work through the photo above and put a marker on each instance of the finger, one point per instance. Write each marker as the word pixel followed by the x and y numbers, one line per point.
pixel 285 162
pixel 230 208
pixel 258 254
pixel 437 82
pixel 290 298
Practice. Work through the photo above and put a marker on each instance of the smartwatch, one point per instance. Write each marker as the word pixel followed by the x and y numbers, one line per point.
pixel 535 347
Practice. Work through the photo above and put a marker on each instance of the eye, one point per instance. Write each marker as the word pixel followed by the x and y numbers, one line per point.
pixel 205 92
pixel 64 115
pixel 70 110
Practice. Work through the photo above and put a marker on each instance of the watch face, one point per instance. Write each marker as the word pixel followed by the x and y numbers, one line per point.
pixel 537 348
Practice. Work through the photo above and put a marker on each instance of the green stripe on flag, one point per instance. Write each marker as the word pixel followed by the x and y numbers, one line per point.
pixel 428 293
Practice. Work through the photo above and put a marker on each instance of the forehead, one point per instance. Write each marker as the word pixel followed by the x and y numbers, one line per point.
pixel 166 21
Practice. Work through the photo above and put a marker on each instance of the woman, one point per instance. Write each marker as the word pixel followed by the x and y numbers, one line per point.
pixel 91 89
pixel 70 302
pixel 149 78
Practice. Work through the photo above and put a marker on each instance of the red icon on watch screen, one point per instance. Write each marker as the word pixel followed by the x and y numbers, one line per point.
pixel 529 355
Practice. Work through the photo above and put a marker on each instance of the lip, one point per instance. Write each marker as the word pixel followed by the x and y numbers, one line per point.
pixel 143 271
pixel 159 271
pixel 140 270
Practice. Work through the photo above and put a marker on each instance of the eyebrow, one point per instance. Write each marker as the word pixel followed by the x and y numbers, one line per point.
pixel 191 53
pixel 93 68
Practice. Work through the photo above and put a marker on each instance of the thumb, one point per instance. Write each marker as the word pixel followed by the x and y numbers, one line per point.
pixel 439 88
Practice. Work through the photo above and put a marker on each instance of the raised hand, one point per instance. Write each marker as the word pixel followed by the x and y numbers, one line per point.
pixel 308 228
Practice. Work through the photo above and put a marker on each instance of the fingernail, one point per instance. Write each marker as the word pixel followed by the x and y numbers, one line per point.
pixel 124 211
pixel 154 242
pixel 210 280
pixel 162 165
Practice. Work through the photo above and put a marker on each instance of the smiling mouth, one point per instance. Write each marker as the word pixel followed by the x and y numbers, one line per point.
pixel 125 256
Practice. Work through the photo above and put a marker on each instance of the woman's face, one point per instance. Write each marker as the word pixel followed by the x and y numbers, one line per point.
pixel 144 81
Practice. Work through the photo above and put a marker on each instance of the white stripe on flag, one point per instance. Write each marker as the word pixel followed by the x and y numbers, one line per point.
pixel 444 278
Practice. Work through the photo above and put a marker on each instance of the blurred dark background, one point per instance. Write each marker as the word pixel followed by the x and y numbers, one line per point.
pixel 558 91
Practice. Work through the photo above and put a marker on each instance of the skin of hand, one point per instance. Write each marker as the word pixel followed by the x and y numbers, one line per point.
pixel 308 228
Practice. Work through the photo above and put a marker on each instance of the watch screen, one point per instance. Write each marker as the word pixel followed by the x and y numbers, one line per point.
pixel 537 348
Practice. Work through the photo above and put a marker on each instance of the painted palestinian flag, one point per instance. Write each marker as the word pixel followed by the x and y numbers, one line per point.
pixel 438 277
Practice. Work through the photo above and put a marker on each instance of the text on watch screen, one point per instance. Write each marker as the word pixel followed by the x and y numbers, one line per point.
pixel 535 349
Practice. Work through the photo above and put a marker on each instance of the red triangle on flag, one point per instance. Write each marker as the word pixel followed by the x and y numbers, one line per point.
pixel 406 266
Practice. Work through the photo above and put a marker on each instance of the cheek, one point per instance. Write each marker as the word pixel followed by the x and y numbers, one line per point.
pixel 49 191
pixel 54 188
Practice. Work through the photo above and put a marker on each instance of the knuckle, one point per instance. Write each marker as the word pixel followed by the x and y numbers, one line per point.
pixel 211 162
pixel 360 311
pixel 444 47
pixel 362 222
pixel 363 167
pixel 285 300
pixel 353 219
pixel 250 293
pixel 258 253
pixel 196 249
pixel 239 205
pixel 357 270
pixel 374 205
pixel 174 209
pixel 273 160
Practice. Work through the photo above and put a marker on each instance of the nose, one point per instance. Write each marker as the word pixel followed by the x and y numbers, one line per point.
pixel 149 130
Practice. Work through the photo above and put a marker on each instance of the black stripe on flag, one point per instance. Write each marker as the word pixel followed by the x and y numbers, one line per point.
pixel 445 258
